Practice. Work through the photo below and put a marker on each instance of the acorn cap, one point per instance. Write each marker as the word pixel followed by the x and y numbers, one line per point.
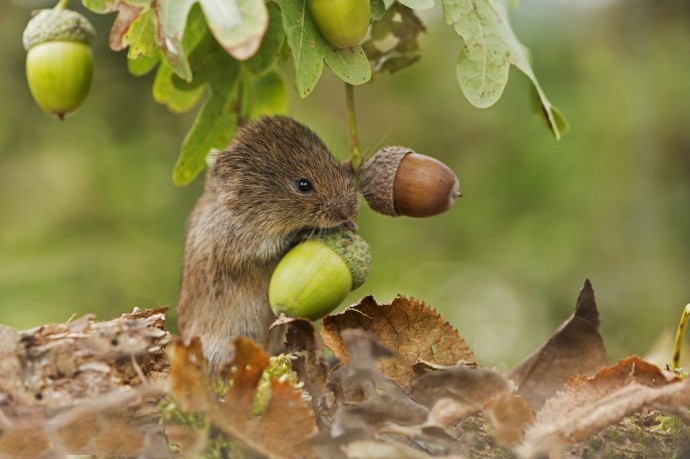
pixel 377 176
pixel 397 181
pixel 353 250
pixel 58 24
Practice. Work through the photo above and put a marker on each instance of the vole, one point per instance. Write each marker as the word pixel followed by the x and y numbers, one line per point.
pixel 273 184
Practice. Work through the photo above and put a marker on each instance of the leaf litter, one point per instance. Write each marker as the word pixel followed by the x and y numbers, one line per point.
pixel 402 384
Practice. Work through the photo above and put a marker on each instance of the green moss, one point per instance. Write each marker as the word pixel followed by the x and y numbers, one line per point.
pixel 651 434
pixel 279 368
pixel 670 424
pixel 220 446
pixel 172 414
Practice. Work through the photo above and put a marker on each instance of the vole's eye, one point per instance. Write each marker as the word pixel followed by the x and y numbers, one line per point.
pixel 304 185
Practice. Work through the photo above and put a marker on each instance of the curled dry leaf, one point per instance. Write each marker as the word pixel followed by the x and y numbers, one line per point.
pixel 367 401
pixel 378 398
pixel 283 430
pixel 587 405
pixel 311 367
pixel 576 348
pixel 188 381
pixel 472 386
pixel 454 393
pixel 126 15
pixel 410 328
pixel 510 415
pixel 367 449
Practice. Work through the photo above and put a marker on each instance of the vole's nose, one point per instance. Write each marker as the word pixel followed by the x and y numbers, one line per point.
pixel 343 208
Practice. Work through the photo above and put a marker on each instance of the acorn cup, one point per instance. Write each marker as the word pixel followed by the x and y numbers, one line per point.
pixel 397 181
pixel 59 61
pixel 316 275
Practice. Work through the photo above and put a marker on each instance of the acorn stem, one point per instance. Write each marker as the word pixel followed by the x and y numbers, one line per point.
pixel 61 4
pixel 355 152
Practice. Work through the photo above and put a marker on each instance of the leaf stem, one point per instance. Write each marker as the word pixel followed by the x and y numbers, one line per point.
pixel 240 112
pixel 61 4
pixel 355 152
pixel 680 332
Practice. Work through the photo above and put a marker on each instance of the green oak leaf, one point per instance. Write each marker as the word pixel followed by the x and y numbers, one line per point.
pixel 490 47
pixel 141 36
pixel 238 25
pixel 310 50
pixel 98 6
pixel 213 128
pixel 175 98
pixel 172 20
pixel 143 64
pixel 268 52
pixel 217 74
pixel 378 9
pixel 264 95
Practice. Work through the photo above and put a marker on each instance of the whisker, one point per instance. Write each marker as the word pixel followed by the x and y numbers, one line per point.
pixel 374 148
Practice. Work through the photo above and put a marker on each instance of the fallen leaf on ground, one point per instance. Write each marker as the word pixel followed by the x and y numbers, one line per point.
pixel 410 328
pixel 576 348
pixel 369 397
pixel 311 367
pixel 188 380
pixel 587 405
pixel 283 430
pixel 471 385
pixel 510 415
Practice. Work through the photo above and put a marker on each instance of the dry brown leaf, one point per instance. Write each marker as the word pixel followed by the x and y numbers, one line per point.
pixel 510 414
pixel 576 348
pixel 282 431
pixel 368 397
pixel 29 441
pixel 288 423
pixel 126 14
pixel 188 381
pixel 77 436
pixel 471 385
pixel 311 367
pixel 368 449
pixel 119 438
pixel 410 328
pixel 587 405
pixel 244 373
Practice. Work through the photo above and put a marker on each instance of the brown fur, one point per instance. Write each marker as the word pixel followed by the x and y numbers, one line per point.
pixel 248 215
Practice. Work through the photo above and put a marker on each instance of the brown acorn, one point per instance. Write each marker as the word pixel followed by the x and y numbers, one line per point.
pixel 397 181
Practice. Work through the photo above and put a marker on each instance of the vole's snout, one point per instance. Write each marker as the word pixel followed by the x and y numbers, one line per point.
pixel 342 208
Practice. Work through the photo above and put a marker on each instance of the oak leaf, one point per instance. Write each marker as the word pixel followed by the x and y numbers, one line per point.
pixel 510 415
pixel 576 348
pixel 588 404
pixel 310 365
pixel 408 327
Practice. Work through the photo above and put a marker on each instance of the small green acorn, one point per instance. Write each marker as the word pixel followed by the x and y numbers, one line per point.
pixel 59 61
pixel 316 275
pixel 343 23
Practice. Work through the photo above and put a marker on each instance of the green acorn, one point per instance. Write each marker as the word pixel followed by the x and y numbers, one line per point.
pixel 59 61
pixel 316 275
pixel 343 23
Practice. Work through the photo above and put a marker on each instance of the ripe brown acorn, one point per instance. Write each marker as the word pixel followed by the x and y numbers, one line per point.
pixel 397 181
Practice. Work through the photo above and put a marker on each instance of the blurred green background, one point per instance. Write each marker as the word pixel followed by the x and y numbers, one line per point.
pixel 91 222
